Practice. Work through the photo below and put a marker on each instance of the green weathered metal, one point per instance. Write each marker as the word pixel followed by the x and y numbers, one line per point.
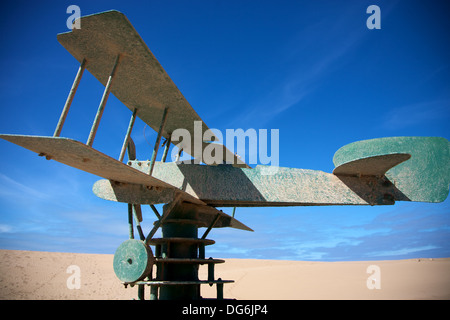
pixel 133 261
pixel 227 186
pixel 371 166
pixel 425 177
pixel 372 172
pixel 130 221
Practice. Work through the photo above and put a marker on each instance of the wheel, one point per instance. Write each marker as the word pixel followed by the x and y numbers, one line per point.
pixel 133 261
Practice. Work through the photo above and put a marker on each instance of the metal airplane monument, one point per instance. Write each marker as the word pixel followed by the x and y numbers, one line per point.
pixel 372 172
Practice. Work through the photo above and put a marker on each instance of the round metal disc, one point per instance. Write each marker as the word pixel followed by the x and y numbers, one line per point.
pixel 133 261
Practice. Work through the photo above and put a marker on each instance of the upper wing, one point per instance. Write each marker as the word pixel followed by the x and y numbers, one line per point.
pixel 140 81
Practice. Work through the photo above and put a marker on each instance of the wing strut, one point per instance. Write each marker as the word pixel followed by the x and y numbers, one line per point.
pixel 101 107
pixel 158 140
pixel 127 136
pixel 70 97
pixel 166 149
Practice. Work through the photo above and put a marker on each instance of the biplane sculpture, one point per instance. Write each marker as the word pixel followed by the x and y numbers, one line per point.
pixel 372 172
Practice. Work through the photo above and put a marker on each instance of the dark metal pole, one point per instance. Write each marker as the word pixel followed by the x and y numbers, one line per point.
pixel 130 220
pixel 158 140
pixel 101 107
pixel 211 226
pixel 166 149
pixel 158 223
pixel 127 136
pixel 141 292
pixel 155 211
pixel 137 207
pixel 70 97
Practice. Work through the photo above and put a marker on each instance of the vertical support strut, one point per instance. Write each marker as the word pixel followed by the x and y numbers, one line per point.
pixel 213 223
pixel 70 97
pixel 137 214
pixel 158 140
pixel 131 149
pixel 127 136
pixel 130 221
pixel 101 107
pixel 178 255
pixel 163 217
pixel 179 271
pixel 166 149
pixel 155 211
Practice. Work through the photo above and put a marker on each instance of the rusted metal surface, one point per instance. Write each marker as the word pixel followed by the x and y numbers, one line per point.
pixel 141 82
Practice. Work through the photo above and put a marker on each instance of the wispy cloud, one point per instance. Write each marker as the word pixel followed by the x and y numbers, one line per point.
pixel 403 251
pixel 4 228
pixel 10 187
pixel 419 113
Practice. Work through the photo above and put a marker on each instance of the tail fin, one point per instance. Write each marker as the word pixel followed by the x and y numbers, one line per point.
pixel 425 177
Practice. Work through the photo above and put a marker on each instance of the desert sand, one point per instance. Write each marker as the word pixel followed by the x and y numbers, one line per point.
pixel 32 275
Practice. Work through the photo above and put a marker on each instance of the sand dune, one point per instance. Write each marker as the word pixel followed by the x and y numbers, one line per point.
pixel 35 275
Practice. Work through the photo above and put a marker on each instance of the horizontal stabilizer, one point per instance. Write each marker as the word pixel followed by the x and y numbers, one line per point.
pixel 424 177
pixel 371 166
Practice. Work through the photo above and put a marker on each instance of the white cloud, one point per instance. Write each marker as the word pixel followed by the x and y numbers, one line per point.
pixel 418 113
pixel 4 228
pixel 403 251
pixel 10 187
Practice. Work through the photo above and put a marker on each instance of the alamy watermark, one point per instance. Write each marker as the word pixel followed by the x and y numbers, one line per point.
pixel 207 146
pixel 374 20
pixel 374 280
pixel 74 280
pixel 73 21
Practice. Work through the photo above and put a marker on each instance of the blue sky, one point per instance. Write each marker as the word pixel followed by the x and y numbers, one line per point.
pixel 311 69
